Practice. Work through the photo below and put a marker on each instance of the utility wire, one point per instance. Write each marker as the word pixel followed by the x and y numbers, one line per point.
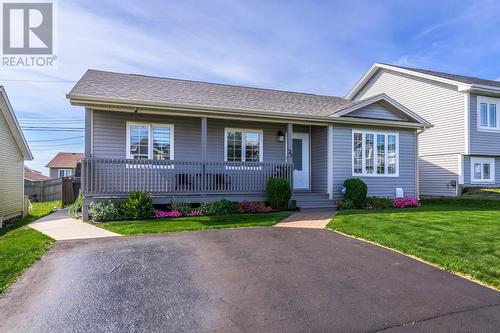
pixel 53 130
pixel 60 139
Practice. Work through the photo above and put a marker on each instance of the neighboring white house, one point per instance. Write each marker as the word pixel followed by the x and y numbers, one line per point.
pixel 463 147
pixel 15 151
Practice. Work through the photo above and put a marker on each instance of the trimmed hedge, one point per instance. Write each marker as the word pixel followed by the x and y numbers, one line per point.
pixel 356 191
pixel 278 192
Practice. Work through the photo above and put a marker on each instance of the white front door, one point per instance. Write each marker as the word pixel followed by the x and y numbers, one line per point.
pixel 300 160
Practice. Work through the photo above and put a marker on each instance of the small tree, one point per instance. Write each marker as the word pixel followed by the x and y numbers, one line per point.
pixel 278 192
pixel 356 191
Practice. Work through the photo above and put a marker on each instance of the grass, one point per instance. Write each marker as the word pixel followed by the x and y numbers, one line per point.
pixel 459 235
pixel 21 246
pixel 194 223
pixel 482 193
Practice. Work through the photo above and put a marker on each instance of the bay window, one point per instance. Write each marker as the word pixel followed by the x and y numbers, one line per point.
pixel 482 170
pixel 488 108
pixel 375 153
pixel 242 145
pixel 150 141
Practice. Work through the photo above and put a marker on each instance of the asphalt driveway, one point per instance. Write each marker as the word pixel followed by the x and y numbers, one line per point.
pixel 253 280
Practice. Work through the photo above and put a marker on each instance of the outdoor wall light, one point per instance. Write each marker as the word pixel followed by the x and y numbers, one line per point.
pixel 281 136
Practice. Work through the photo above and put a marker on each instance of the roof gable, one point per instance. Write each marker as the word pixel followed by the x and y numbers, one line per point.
pixel 381 107
pixel 463 83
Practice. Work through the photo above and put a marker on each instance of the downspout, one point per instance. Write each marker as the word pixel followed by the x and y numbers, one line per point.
pixel 417 173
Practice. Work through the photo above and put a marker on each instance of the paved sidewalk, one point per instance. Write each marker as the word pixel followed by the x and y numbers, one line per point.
pixel 60 226
pixel 311 220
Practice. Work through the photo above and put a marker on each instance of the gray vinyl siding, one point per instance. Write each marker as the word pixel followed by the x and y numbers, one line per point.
pixel 440 104
pixel 110 134
pixel 467 172
pixel 436 174
pixel 377 111
pixel 110 131
pixel 11 173
pixel 377 186
pixel 481 142
pixel 319 158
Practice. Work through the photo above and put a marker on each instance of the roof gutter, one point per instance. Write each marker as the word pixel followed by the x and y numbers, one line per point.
pixel 96 102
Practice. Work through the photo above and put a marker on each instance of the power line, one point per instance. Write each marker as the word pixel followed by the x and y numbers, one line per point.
pixel 56 140
pixel 53 130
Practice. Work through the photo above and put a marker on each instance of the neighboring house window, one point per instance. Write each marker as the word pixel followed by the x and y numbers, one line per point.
pixel 375 153
pixel 150 141
pixel 243 145
pixel 482 170
pixel 64 173
pixel 488 117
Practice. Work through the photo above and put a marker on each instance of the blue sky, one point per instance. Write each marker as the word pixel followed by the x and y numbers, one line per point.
pixel 320 47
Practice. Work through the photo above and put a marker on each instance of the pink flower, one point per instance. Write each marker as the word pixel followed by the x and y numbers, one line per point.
pixel 406 202
pixel 163 214
pixel 196 213
pixel 265 210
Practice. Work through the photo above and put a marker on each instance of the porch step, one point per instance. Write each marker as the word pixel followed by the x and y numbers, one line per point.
pixel 310 201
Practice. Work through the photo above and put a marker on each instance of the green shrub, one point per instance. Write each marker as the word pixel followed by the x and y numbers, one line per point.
pixel 356 190
pixel 346 204
pixel 76 207
pixel 182 207
pixel 377 202
pixel 104 211
pixel 137 206
pixel 221 207
pixel 278 192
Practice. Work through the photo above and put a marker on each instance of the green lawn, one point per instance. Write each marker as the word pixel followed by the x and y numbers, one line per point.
pixel 194 223
pixel 459 235
pixel 21 246
pixel 482 193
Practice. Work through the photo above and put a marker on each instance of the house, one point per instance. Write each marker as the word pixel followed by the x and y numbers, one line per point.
pixel 463 147
pixel 33 175
pixel 202 141
pixel 15 151
pixel 64 164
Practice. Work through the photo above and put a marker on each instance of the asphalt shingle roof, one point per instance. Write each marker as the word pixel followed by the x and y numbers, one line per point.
pixel 454 77
pixel 65 160
pixel 102 84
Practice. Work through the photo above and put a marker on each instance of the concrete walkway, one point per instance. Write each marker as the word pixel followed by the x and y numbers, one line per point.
pixel 60 226
pixel 310 220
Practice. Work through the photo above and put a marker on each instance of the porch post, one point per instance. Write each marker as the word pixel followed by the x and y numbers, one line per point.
pixel 329 159
pixel 204 131
pixel 289 142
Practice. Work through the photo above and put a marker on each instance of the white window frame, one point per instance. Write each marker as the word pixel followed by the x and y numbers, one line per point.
pixel 482 161
pixel 243 142
pixel 363 148
pixel 66 173
pixel 488 101
pixel 150 137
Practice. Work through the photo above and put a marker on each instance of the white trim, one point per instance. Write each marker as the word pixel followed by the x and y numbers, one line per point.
pixel 150 137
pixel 376 66
pixel 243 142
pixel 488 101
pixel 461 176
pixel 306 167
pixel 66 173
pixel 329 158
pixel 467 127
pixel 363 160
pixel 482 161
